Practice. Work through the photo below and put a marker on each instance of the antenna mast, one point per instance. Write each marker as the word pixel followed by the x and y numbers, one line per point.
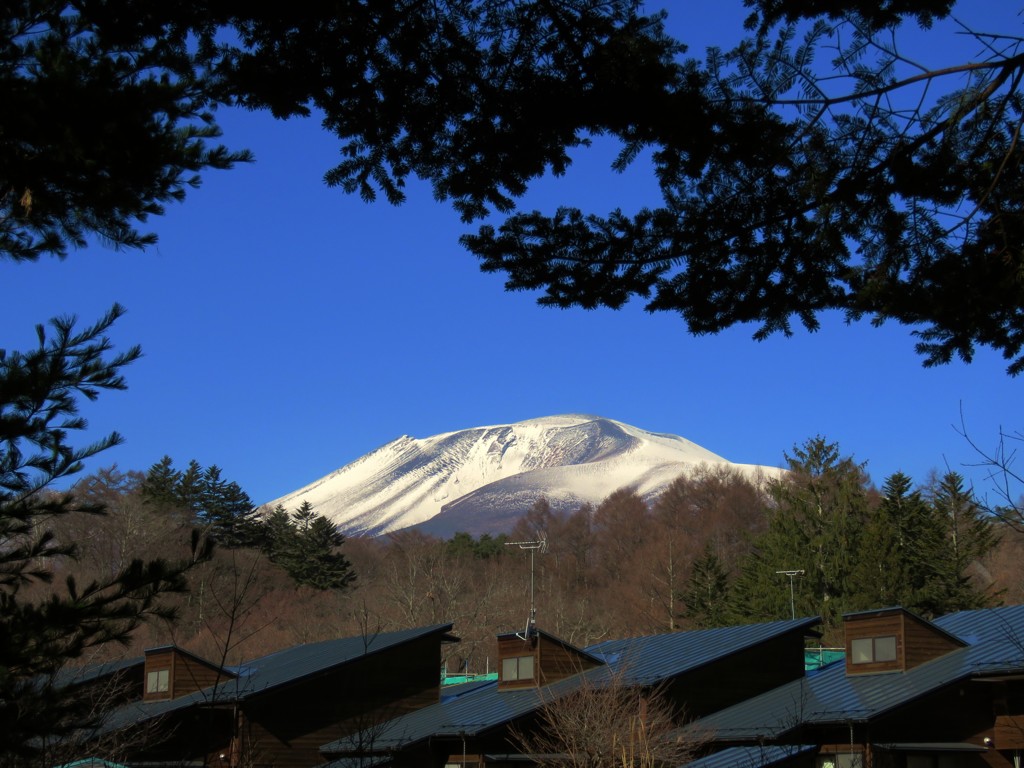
pixel 541 545
pixel 792 598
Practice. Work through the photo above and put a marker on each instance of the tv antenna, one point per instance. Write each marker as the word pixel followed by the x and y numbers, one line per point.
pixel 792 600
pixel 541 545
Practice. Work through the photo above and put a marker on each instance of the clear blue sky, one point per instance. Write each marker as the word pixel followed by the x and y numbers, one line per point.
pixel 288 329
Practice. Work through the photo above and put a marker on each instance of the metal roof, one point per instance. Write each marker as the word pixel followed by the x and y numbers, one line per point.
pixel 760 756
pixel 277 669
pixel 635 661
pixel 652 659
pixel 77 675
pixel 995 646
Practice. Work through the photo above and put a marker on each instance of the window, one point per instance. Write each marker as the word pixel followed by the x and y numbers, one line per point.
pixel 840 760
pixel 865 650
pixel 517 668
pixel 157 681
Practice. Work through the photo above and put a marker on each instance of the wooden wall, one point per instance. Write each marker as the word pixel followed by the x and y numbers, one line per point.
pixel 735 678
pixel 510 646
pixel 186 673
pixel 557 660
pixel 192 674
pixel 917 641
pixel 924 642
pixel 287 727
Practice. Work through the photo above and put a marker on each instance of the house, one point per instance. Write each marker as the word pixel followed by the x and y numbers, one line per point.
pixel 699 672
pixel 278 709
pixel 907 693
pixel 910 693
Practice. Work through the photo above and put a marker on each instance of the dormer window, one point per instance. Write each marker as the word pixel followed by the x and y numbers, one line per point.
pixel 172 672
pixel 871 650
pixel 538 658
pixel 517 668
pixel 158 681
pixel 892 640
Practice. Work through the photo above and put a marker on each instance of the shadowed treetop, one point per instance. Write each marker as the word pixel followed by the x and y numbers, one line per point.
pixel 815 167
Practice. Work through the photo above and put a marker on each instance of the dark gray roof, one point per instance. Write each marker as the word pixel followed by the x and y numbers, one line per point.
pixel 995 646
pixel 79 675
pixel 277 669
pixel 649 660
pixel 640 661
pixel 760 756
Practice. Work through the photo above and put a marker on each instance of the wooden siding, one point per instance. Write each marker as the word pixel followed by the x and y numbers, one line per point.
pixel 959 713
pixel 917 641
pixel 557 660
pixel 924 642
pixel 512 646
pixel 553 659
pixel 155 661
pixel 192 674
pixel 186 673
pixel 888 624
pixel 735 678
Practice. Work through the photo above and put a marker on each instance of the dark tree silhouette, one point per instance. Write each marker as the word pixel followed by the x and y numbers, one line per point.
pixel 40 392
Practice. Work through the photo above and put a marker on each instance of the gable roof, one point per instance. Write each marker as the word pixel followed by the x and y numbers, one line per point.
pixel 636 661
pixel 995 646
pixel 280 669
pixel 582 653
pixel 651 660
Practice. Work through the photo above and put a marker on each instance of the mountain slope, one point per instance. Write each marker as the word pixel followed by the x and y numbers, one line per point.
pixel 482 479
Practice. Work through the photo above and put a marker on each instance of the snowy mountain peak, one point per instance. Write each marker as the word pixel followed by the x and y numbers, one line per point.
pixel 482 479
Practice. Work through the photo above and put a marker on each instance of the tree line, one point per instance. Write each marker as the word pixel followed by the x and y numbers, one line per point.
pixel 775 208
pixel 707 552
pixel 713 549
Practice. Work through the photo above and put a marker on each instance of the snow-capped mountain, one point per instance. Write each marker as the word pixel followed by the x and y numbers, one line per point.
pixel 482 479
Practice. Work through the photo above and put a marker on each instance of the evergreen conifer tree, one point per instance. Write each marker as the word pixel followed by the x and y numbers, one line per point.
pixel 890 569
pixel 280 535
pixel 160 485
pixel 206 499
pixel 307 546
pixel 962 534
pixel 328 568
pixel 821 507
pixel 707 592
pixel 229 512
pixel 40 392
pixel 191 487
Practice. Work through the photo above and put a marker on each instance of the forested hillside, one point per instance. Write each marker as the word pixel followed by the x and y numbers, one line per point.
pixel 707 553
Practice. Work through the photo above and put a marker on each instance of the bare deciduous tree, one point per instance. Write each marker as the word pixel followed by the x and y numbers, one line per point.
pixel 607 724
pixel 1005 480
